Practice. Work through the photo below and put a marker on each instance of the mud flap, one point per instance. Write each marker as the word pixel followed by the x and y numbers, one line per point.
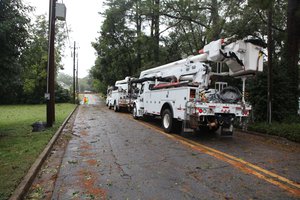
pixel 186 128
pixel 227 131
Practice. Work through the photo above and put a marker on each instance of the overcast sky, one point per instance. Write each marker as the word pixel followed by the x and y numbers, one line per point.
pixel 84 20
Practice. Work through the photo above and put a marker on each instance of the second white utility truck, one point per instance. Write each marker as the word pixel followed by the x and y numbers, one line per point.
pixel 120 96
pixel 179 92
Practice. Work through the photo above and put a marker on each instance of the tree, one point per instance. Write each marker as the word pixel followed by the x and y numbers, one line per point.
pixel 115 46
pixel 292 55
pixel 254 18
pixel 155 29
pixel 13 35
pixel 34 60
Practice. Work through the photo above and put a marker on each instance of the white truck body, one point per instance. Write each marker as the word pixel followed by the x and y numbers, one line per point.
pixel 151 102
pixel 178 91
pixel 108 95
pixel 120 98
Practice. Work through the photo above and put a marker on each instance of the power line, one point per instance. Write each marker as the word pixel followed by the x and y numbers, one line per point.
pixel 68 34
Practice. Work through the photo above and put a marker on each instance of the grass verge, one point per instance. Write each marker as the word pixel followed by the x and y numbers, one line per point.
pixel 290 131
pixel 19 147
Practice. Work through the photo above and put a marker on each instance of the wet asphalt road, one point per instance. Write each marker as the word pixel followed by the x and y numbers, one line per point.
pixel 112 156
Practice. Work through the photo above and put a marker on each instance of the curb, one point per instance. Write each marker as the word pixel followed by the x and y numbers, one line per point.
pixel 25 184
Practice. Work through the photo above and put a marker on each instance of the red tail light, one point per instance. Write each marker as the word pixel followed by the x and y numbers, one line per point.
pixel 200 110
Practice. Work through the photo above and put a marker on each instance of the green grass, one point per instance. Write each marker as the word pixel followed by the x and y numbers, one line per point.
pixel 19 147
pixel 290 131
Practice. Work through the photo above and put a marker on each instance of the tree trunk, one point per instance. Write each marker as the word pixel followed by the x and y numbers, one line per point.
pixel 292 54
pixel 156 31
pixel 138 19
pixel 189 42
pixel 270 65
pixel 195 41
pixel 215 18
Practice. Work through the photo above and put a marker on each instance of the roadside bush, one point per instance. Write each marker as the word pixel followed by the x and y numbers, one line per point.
pixel 62 95
pixel 290 131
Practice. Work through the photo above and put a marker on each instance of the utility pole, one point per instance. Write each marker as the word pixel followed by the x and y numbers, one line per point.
pixel 77 85
pixel 74 69
pixel 51 66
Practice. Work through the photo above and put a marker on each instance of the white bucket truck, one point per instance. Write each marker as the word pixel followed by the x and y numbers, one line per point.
pixel 179 92
pixel 120 97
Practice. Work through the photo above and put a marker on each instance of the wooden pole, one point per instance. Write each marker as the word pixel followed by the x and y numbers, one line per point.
pixel 51 67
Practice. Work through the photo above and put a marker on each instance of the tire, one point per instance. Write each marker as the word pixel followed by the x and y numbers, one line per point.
pixel 167 120
pixel 116 109
pixel 134 112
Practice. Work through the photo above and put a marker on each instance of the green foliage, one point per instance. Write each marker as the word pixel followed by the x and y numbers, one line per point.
pixel 65 80
pixel 290 131
pixel 19 147
pixel 86 83
pixel 13 35
pixel 99 86
pixel 114 46
pixel 34 60
pixel 257 88
pixel 62 95
pixel 292 55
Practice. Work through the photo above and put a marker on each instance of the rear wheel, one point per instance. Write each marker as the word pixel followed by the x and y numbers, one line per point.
pixel 167 120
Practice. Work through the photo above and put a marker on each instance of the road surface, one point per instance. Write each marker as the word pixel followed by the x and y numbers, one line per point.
pixel 112 156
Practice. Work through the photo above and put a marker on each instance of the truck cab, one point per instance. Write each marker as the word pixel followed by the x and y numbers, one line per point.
pixel 109 96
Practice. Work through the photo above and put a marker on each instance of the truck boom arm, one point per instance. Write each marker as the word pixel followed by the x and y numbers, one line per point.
pixel 241 56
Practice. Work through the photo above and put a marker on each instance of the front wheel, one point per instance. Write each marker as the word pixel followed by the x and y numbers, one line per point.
pixel 116 109
pixel 167 120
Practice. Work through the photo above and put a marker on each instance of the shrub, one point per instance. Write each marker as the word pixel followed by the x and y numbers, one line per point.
pixel 290 131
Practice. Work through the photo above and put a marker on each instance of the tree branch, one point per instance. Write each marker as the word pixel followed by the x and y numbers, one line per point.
pixel 171 26
pixel 186 18
pixel 264 21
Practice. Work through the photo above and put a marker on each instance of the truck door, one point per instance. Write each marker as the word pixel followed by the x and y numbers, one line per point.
pixel 142 97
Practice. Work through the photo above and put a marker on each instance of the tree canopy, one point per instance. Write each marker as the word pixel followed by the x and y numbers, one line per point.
pixel 24 53
pixel 140 34
pixel 34 59
pixel 13 36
